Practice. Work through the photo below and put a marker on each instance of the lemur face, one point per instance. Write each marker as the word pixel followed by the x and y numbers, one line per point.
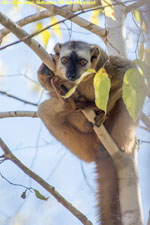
pixel 75 58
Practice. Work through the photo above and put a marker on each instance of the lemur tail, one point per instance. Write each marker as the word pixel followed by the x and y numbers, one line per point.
pixel 108 203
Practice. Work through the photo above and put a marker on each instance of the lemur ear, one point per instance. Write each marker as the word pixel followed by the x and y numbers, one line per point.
pixel 94 52
pixel 57 48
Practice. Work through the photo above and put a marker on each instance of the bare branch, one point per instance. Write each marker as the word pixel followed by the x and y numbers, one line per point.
pixel 18 114
pixel 102 134
pixel 26 38
pixel 76 19
pixel 135 5
pixel 34 45
pixel 47 13
pixel 29 19
pixel 78 7
pixel 8 154
pixel 19 99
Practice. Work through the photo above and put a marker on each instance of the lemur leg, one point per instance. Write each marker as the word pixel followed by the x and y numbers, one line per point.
pixel 124 129
pixel 55 115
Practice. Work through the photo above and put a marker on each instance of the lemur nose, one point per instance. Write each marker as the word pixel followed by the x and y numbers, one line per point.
pixel 71 76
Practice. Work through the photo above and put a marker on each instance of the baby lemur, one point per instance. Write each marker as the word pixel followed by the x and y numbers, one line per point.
pixel 65 120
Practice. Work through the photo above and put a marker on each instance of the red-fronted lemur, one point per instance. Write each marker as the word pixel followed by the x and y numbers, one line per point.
pixel 65 120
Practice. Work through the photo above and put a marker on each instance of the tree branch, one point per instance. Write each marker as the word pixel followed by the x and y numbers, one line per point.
pixel 47 13
pixel 18 114
pixel 19 99
pixel 27 38
pixel 145 120
pixel 102 134
pixel 78 7
pixel 76 19
pixel 135 5
pixel 8 155
pixel 34 45
pixel 129 189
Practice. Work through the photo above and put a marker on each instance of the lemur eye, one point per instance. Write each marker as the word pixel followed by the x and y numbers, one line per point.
pixel 64 60
pixel 83 62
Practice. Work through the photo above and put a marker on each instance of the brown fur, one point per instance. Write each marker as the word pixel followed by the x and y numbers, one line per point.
pixel 67 123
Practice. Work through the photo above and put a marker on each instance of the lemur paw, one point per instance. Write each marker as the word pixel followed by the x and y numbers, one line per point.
pixel 100 119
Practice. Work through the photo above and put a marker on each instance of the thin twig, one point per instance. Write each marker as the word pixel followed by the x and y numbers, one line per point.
pixel 18 114
pixel 19 185
pixel 33 44
pixel 17 98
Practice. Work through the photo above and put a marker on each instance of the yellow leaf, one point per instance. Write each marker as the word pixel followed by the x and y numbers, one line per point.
pixel 87 73
pixel 94 17
pixel 144 26
pixel 102 86
pixel 56 28
pixel 72 90
pixel 38 26
pixel 137 15
pixel 108 8
pixel 45 37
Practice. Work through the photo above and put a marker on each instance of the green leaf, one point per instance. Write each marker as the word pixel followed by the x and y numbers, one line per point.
pixel 39 195
pixel 133 92
pixel 102 86
pixel 72 90
pixel 144 68
pixel 145 71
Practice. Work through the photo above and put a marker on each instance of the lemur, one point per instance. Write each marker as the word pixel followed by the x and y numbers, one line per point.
pixel 65 120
